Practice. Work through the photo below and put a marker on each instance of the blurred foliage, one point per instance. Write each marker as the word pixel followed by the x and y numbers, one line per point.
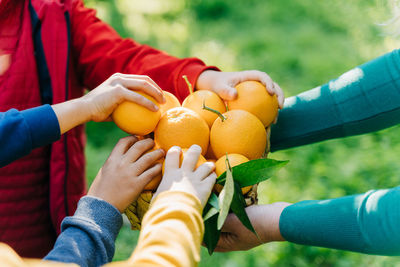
pixel 301 44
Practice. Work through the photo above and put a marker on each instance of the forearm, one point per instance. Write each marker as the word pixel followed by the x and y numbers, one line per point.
pixel 22 131
pixel 365 99
pixel 366 223
pixel 171 233
pixel 88 237
pixel 71 114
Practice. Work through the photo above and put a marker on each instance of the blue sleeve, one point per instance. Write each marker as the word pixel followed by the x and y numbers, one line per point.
pixel 88 237
pixel 365 99
pixel 367 223
pixel 22 131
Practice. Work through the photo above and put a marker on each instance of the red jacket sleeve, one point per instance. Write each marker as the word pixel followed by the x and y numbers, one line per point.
pixel 99 52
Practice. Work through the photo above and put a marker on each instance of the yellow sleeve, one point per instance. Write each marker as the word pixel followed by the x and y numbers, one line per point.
pixel 9 258
pixel 172 231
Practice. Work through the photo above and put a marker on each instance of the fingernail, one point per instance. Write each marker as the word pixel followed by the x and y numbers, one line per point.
pixel 176 148
pixel 196 147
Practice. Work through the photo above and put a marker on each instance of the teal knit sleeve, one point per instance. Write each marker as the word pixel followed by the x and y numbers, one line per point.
pixel 364 99
pixel 367 223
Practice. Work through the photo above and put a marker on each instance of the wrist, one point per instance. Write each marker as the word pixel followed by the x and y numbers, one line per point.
pixel 269 222
pixel 86 108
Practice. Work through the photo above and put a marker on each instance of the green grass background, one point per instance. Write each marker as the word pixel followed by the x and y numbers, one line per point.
pixel 301 44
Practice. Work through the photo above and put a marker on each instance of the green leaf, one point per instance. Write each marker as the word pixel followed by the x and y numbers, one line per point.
pixel 226 195
pixel 213 201
pixel 254 171
pixel 211 234
pixel 238 207
pixel 211 212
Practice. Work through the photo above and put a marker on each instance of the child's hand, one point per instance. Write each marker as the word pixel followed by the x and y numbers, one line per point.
pixel 223 83
pixel 198 182
pixel 126 172
pixel 118 88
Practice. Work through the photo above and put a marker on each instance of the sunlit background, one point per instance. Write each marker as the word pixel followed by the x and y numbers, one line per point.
pixel 301 44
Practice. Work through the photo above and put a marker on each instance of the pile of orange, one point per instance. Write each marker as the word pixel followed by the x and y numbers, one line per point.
pixel 235 128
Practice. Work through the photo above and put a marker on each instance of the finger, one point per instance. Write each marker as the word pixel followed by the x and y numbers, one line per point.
pixel 145 85
pixel 173 157
pixel 138 149
pixel 211 179
pixel 191 157
pixel 227 92
pixel 136 76
pixel 225 243
pixel 280 94
pixel 148 159
pixel 138 99
pixel 149 174
pixel 123 145
pixel 209 182
pixel 204 170
pixel 261 77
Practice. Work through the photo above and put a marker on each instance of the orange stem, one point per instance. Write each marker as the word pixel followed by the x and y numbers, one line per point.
pixel 213 110
pixel 188 84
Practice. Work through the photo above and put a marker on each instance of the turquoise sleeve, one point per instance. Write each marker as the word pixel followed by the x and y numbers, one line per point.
pixel 367 223
pixel 364 99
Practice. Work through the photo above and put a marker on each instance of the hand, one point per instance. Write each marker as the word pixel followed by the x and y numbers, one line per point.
pixel 118 88
pixel 198 182
pixel 223 83
pixel 98 104
pixel 126 172
pixel 265 220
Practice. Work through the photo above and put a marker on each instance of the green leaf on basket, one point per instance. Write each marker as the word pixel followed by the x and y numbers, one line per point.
pixel 254 171
pixel 211 234
pixel 213 201
pixel 211 212
pixel 226 195
pixel 238 207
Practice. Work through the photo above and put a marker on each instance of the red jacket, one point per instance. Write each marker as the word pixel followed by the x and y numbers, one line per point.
pixel 81 51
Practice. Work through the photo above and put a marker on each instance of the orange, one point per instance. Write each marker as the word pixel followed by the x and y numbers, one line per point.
pixel 210 154
pixel 153 184
pixel 241 133
pixel 220 168
pixel 170 102
pixel 136 119
pixel 200 161
pixel 254 98
pixel 181 127
pixel 195 102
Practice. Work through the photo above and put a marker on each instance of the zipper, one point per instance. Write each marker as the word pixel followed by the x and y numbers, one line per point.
pixel 68 22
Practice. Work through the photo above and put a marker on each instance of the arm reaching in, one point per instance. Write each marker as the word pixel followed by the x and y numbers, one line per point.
pixel 173 229
pixel 366 223
pixel 22 131
pixel 88 237
pixel 364 99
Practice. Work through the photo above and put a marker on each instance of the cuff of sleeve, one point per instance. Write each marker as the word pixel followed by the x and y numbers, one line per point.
pixel 43 125
pixel 192 70
pixel 101 213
